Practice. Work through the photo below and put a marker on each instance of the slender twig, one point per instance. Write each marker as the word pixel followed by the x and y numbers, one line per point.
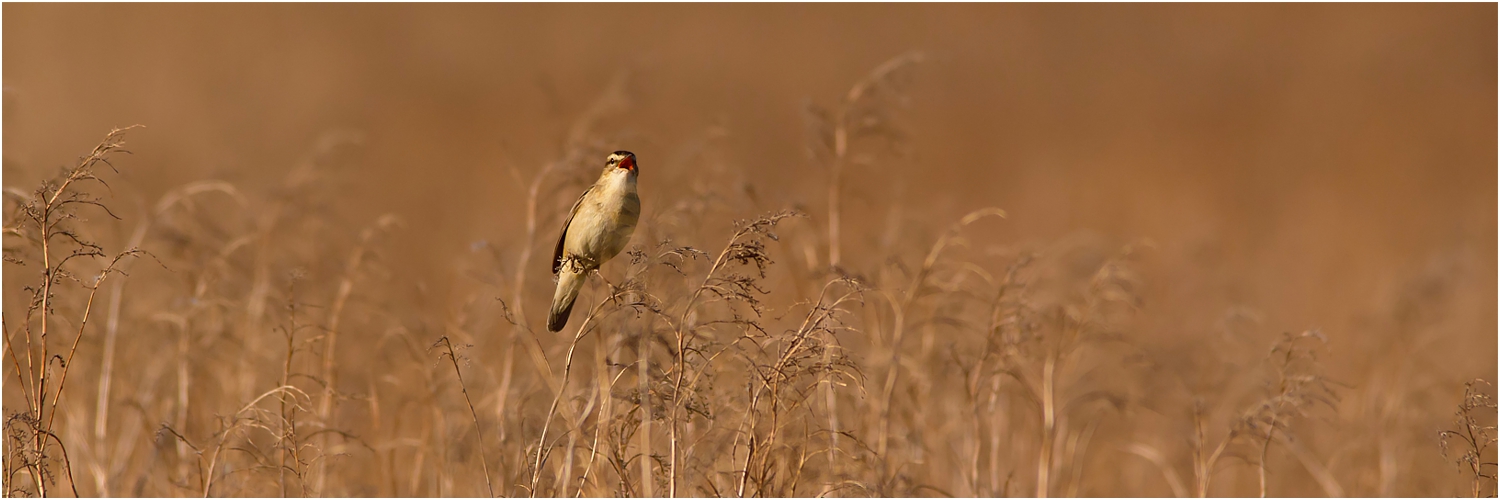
pixel 583 330
pixel 478 431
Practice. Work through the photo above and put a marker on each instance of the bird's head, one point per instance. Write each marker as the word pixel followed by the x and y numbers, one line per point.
pixel 621 162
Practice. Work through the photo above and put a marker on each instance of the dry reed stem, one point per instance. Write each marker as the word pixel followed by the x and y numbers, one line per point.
pixel 330 339
pixel 899 308
pixel 174 198
pixel 840 141
pixel 464 388
pixel 734 250
pixel 43 217
pixel 583 330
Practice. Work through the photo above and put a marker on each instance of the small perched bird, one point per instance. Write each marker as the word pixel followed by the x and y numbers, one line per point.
pixel 597 228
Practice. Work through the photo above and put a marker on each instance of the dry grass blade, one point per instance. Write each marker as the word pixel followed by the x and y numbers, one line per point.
pixel 452 357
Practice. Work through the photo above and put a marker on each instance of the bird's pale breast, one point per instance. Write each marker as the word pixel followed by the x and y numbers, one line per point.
pixel 604 223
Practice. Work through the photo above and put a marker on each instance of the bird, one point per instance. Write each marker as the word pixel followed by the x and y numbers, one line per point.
pixel 598 227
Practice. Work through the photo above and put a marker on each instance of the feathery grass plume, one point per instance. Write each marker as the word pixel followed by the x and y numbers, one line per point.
pixel 1473 438
pixel 1295 388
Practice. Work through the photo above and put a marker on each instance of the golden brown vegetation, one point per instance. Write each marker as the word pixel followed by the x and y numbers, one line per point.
pixel 226 339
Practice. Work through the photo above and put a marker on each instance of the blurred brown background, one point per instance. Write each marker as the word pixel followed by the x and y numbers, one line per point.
pixel 1308 161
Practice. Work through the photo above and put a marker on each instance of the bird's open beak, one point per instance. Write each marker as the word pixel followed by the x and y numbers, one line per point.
pixel 628 163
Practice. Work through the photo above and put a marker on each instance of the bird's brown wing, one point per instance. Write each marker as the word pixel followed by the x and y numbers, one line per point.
pixel 557 254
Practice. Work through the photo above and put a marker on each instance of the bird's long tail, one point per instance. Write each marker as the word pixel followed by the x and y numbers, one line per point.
pixel 568 284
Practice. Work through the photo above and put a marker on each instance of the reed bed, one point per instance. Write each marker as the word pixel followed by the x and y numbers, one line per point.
pixel 223 341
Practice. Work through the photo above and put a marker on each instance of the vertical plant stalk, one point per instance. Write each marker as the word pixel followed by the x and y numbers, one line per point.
pixel 841 134
pixel 835 179
pixel 900 307
pixel 975 391
pixel 1203 467
pixel 331 336
pixel 106 369
pixel 1078 447
pixel 583 331
pixel 238 421
pixel 830 401
pixel 47 275
pixel 531 222
pixel 732 250
pixel 1265 449
pixel 112 322
pixel 643 381
pixel 887 392
pixel 183 377
pixel 288 427
pixel 602 393
pixel 72 350
pixel 771 384
pixel 47 213
pixel 260 287
pixel 1049 431
pixel 516 310
pixel 46 430
pixel 478 431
